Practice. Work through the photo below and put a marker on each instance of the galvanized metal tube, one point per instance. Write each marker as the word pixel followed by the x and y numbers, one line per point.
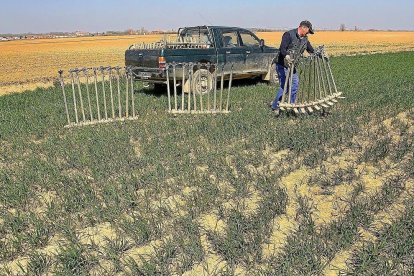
pixel 80 95
pixel 215 88
pixel 132 92
pixel 208 92
pixel 62 84
pixel 175 87
pixel 309 88
pixel 103 91
pixel 228 91
pixel 314 79
pixel 221 88
pixel 194 92
pixel 300 93
pixel 304 82
pixel 327 75
pixel 74 97
pixel 119 92
pixel 319 78
pixel 287 78
pixel 167 69
pixel 182 88
pixel 95 77
pixel 292 71
pixel 322 78
pixel 190 81
pixel 112 94
pixel 200 90
pixel 85 71
pixel 332 78
pixel 126 93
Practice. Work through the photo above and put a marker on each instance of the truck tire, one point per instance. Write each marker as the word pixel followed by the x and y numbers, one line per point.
pixel 202 81
pixel 274 78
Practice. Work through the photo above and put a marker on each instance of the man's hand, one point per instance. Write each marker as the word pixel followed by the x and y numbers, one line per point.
pixel 288 60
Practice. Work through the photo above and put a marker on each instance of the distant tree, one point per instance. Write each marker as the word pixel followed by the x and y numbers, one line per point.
pixel 130 31
pixel 342 27
pixel 143 31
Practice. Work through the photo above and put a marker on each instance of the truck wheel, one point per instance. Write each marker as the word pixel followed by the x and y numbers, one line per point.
pixel 202 81
pixel 274 79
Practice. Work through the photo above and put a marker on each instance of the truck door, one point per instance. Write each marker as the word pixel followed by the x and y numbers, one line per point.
pixel 231 51
pixel 256 60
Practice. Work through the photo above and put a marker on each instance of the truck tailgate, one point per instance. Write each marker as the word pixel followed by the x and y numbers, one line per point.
pixel 142 58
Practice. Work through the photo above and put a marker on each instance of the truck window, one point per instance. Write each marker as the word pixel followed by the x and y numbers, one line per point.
pixel 230 39
pixel 197 36
pixel 249 40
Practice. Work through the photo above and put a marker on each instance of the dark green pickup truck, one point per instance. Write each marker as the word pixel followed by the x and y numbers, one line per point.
pixel 247 53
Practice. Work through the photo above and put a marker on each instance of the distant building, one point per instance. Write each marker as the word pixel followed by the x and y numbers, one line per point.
pixel 79 33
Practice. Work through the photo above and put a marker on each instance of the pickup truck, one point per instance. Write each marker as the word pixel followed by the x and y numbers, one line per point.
pixel 247 53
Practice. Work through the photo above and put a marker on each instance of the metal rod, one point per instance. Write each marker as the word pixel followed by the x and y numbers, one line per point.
pixel 182 88
pixel 80 95
pixel 62 83
pixel 126 94
pixel 104 93
pixel 175 87
pixel 190 80
pixel 74 97
pixel 119 92
pixel 309 88
pixel 292 72
pixel 228 92
pixel 168 86
pixel 300 93
pixel 193 87
pixel 287 77
pixel 327 75
pixel 221 88
pixel 132 93
pixel 332 78
pixel 215 88
pixel 112 94
pixel 320 81
pixel 208 92
pixel 200 90
pixel 314 79
pixel 96 92
pixel 323 79
pixel 85 71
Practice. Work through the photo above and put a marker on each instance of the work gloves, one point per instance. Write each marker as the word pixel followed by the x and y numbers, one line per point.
pixel 288 60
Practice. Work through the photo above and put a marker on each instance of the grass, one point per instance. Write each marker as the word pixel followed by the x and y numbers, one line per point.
pixel 391 253
pixel 153 180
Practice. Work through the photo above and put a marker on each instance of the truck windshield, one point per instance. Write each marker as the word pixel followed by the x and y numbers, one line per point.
pixel 196 36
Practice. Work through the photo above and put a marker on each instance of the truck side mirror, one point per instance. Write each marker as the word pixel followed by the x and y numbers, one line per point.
pixel 262 43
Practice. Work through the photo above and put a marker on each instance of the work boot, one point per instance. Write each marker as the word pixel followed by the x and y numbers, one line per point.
pixel 276 112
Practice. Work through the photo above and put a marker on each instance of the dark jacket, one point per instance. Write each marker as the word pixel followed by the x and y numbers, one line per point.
pixel 293 44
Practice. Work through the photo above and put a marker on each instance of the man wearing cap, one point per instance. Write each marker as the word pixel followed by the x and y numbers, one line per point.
pixel 294 43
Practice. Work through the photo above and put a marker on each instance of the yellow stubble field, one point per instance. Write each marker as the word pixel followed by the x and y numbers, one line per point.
pixel 28 64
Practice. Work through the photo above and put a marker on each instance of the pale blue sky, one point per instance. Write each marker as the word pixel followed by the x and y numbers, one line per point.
pixel 22 16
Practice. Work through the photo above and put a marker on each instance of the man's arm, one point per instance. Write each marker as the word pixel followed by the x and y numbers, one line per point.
pixel 309 48
pixel 284 44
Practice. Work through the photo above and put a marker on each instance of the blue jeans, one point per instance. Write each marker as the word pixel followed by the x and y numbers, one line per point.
pixel 281 73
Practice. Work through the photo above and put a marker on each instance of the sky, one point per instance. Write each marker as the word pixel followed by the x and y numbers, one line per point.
pixel 42 16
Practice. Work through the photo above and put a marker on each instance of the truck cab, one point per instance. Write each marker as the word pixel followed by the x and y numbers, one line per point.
pixel 248 55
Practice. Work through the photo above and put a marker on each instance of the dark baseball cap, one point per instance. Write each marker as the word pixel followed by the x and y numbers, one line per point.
pixel 307 24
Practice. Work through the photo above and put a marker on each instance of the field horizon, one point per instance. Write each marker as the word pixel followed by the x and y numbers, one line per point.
pixel 34 63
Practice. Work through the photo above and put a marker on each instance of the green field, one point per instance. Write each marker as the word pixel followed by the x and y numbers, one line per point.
pixel 192 194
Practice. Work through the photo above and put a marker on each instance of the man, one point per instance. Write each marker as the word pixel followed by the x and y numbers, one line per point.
pixel 294 43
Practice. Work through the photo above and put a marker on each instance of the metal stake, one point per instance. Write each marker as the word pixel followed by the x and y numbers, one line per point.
pixel 74 97
pixel 62 83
